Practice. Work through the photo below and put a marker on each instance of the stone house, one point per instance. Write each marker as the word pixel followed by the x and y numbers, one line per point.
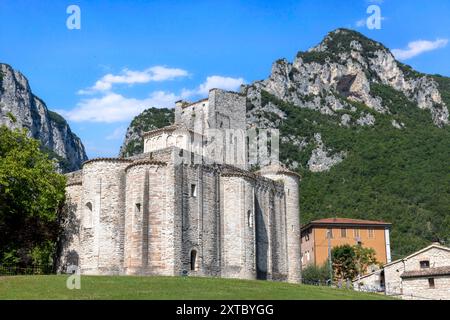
pixel 371 282
pixel 180 209
pixel 424 274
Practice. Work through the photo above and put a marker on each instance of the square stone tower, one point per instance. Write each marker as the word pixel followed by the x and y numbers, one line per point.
pixel 220 119
pixel 221 110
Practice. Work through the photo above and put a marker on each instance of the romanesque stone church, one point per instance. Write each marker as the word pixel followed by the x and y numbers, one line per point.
pixel 179 210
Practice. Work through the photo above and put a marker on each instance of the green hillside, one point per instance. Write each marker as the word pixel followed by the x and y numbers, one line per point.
pixel 400 176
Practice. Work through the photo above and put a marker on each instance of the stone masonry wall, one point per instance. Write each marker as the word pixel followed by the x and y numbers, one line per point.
pixel 287 232
pixel 263 223
pixel 418 288
pixel 148 215
pixel 438 258
pixel 238 250
pixel 200 220
pixel 148 231
pixel 70 244
pixel 194 116
pixel 102 216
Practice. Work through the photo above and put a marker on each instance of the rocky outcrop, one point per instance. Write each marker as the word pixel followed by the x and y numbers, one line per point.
pixel 20 108
pixel 149 119
pixel 342 68
pixel 321 157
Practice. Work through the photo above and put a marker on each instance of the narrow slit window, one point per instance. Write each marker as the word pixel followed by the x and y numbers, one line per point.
pixel 193 190
pixel 193 260
pixel 89 215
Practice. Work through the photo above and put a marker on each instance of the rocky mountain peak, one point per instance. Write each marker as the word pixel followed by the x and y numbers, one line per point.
pixel 343 40
pixel 20 108
pixel 344 67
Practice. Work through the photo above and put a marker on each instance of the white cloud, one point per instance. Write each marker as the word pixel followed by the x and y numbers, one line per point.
pixel 113 107
pixel 156 73
pixel 117 134
pixel 418 47
pixel 361 23
pixel 211 82
pixel 225 83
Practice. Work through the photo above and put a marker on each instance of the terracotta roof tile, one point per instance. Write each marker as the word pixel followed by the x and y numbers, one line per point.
pixel 350 221
pixel 440 271
pixel 345 221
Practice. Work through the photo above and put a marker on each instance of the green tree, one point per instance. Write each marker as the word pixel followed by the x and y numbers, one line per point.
pixel 349 261
pixel 314 274
pixel 365 257
pixel 31 194
pixel 344 262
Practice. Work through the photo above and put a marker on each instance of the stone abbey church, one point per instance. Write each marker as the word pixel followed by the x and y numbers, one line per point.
pixel 153 214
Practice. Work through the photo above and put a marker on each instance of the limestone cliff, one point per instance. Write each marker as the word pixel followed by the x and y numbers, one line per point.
pixel 341 77
pixel 20 108
pixel 345 65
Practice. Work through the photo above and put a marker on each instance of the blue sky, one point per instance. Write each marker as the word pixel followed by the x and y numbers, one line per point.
pixel 128 56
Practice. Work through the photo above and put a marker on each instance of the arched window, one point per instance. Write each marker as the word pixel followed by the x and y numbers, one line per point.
pixel 193 260
pixel 159 143
pixel 88 215
pixel 135 217
pixel 170 140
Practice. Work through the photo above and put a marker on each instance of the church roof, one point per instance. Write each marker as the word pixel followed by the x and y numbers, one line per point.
pixel 106 159
pixel 231 171
pixel 277 168
pixel 171 128
pixel 145 162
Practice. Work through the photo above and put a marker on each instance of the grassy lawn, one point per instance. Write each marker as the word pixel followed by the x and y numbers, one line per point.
pixel 130 287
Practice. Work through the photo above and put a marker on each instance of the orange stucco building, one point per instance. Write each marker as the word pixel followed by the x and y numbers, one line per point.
pixel 370 234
